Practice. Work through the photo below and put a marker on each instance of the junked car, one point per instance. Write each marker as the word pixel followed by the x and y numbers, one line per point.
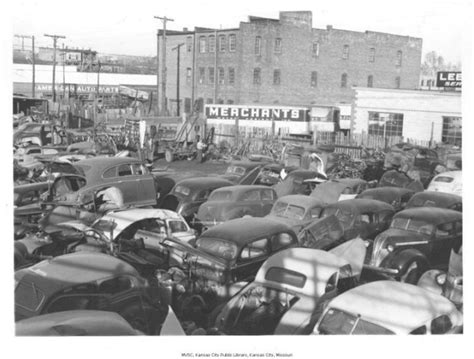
pixel 338 190
pixel 289 291
pixel 388 307
pixel 395 196
pixel 361 217
pixel 188 194
pixel 299 182
pixel 448 182
pixel 435 199
pixel 395 178
pixel 235 202
pixel 243 172
pixel 418 239
pixel 88 281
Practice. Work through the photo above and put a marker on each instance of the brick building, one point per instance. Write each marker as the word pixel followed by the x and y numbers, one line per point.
pixel 286 61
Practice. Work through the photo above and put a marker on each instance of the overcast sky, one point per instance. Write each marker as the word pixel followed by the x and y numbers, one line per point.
pixel 128 27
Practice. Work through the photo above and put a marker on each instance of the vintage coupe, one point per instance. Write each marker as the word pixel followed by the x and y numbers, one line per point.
pixel 188 194
pixel 361 217
pixel 289 290
pixel 395 196
pixel 418 239
pixel 235 202
pixel 340 189
pixel 435 199
pixel 448 182
pixel 388 307
pixel 88 281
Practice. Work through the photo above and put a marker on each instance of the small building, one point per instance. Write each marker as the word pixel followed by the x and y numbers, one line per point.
pixel 434 116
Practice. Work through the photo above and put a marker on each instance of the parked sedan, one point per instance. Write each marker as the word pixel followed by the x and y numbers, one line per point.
pixel 435 199
pixel 235 202
pixel 88 281
pixel 288 292
pixel 418 239
pixel 188 194
pixel 448 182
pixel 361 217
pixel 395 196
pixel 388 307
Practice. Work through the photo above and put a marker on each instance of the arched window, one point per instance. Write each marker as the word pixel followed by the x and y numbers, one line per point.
pixel 370 81
pixel 344 80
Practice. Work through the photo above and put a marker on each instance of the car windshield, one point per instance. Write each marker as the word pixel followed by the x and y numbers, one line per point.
pixel 177 226
pixel 338 322
pixel 412 225
pixel 220 196
pixel 286 210
pixel 235 170
pixel 217 247
pixel 185 191
pixel 28 296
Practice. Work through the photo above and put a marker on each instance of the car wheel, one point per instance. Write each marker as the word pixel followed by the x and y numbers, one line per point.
pixel 412 274
pixel 169 156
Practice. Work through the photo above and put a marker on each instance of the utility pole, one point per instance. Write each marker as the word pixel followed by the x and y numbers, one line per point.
pixel 64 73
pixel 177 48
pixel 164 19
pixel 55 39
pixel 22 37
pixel 157 72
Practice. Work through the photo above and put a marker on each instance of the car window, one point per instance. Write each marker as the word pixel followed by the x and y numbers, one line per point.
pixel 110 173
pixel 73 302
pixel 220 195
pixel 124 170
pixel 28 296
pixel 139 169
pixel 418 331
pixel 77 183
pixel 441 325
pixel 252 195
pixel 177 226
pixel 267 195
pixel 281 240
pixel 115 285
pixel 366 218
pixel 315 212
pixel 332 282
pixel 255 249
pixel 446 229
pixel 203 195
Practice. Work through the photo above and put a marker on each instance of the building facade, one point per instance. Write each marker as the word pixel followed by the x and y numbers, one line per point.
pixel 286 61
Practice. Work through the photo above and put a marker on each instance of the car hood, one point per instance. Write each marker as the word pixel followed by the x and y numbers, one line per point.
pixel 292 222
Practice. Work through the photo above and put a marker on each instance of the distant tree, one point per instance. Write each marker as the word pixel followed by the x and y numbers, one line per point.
pixel 435 62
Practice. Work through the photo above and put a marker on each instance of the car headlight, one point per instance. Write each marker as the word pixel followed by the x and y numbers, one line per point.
pixel 390 248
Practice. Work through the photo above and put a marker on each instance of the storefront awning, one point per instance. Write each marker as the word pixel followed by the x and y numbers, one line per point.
pixel 344 110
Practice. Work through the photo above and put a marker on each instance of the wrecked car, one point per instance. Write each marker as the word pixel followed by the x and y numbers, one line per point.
pixel 395 196
pixel 289 292
pixel 388 307
pixel 188 194
pixel 298 182
pixel 243 172
pixel 435 199
pixel 235 202
pixel 88 281
pixel 395 178
pixel 338 190
pixel 270 174
pixel 361 217
pixel 447 182
pixel 418 239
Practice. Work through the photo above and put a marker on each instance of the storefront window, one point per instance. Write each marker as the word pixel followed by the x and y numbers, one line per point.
pixel 385 124
pixel 452 130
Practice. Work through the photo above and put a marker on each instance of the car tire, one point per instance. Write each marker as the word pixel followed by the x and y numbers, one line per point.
pixel 412 274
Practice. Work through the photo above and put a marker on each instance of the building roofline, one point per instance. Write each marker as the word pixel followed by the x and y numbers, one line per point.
pixel 423 92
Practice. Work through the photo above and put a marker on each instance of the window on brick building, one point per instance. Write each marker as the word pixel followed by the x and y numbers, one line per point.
pixel 344 80
pixel 220 101
pixel 452 130
pixel 202 75
pixel 385 124
pixel 189 43
pixel 222 43
pixel 372 54
pixel 345 52
pixel 314 79
pixel 370 81
pixel 398 62
pixel 221 75
pixel 212 43
pixel 202 44
pixel 257 76
pixel 315 50
pixel 230 102
pixel 211 75
pixel 278 45
pixel 276 77
pixel 397 82
pixel 188 75
pixel 232 42
pixel 231 75
pixel 258 45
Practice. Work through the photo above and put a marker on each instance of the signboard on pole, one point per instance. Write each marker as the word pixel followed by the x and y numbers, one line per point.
pixel 451 79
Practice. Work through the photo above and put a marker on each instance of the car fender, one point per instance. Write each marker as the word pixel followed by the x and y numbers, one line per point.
pixel 401 260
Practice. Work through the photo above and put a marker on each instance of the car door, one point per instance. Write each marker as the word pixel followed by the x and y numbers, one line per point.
pixel 146 192
pixel 126 182
pixel 250 259
pixel 251 203
pixel 268 197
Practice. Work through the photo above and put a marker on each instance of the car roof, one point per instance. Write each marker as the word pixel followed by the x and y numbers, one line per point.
pixel 399 307
pixel 203 182
pixel 430 214
pixel 244 230
pixel 102 162
pixel 359 205
pixel 301 200
pixel 317 265
pixel 386 192
pixel 75 322
pixel 123 219
pixel 248 164
pixel 350 181
pixel 441 198
pixel 242 188
pixel 457 175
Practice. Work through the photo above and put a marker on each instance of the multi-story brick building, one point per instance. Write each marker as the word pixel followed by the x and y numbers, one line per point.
pixel 286 61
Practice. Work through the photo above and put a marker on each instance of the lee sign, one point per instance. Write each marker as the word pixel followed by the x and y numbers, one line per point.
pixel 449 79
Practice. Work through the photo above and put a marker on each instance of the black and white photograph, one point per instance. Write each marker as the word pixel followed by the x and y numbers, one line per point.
pixel 275 175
